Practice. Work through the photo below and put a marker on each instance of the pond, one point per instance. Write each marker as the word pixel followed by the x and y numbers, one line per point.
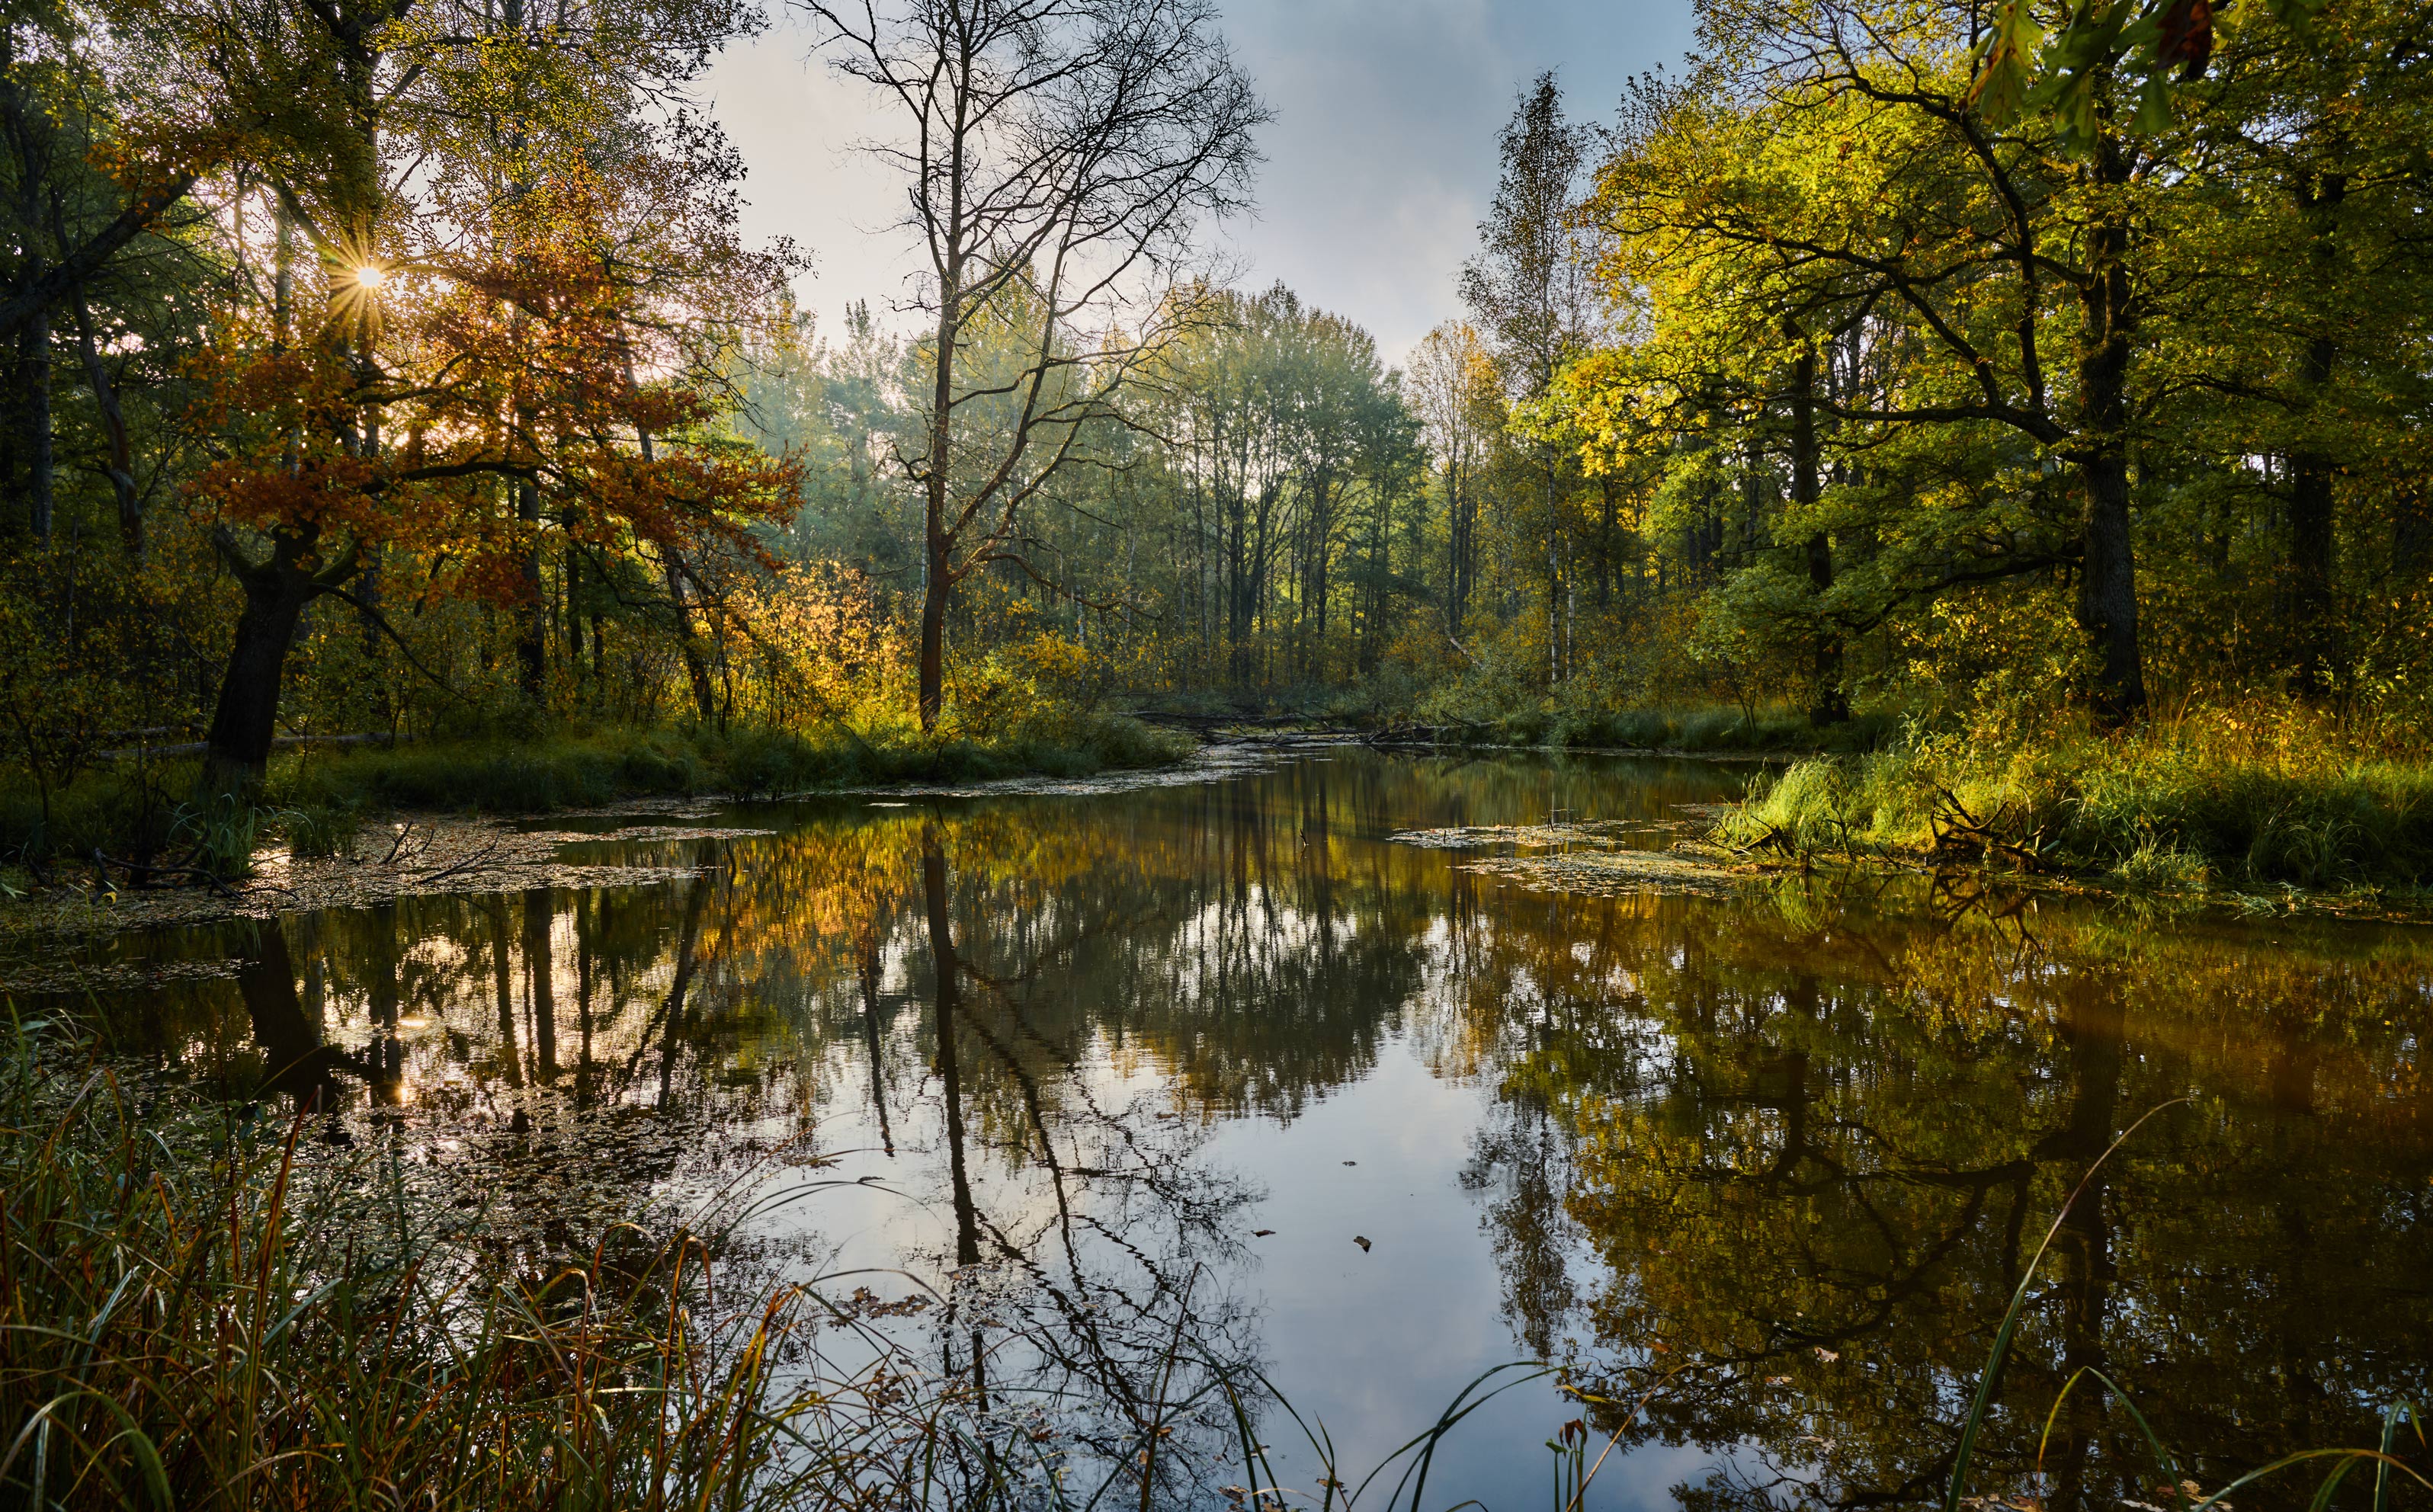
pixel 1075 1085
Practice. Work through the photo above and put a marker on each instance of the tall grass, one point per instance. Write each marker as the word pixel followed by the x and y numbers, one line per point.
pixel 195 1315
pixel 186 1320
pixel 2224 800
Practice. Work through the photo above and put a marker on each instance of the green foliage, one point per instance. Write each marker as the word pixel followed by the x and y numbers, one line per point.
pixel 2211 803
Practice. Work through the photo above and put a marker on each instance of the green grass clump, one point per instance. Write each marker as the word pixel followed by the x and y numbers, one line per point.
pixel 2188 807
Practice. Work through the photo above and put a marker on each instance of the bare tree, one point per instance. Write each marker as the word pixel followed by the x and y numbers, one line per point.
pixel 1060 156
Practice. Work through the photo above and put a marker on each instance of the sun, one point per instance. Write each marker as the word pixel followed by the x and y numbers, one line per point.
pixel 357 275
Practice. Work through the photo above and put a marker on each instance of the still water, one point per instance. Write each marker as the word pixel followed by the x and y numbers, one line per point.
pixel 1119 1070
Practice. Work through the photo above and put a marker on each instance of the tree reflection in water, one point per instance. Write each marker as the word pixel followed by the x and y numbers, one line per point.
pixel 1795 1145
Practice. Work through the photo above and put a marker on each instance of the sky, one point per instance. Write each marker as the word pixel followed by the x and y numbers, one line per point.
pixel 1380 161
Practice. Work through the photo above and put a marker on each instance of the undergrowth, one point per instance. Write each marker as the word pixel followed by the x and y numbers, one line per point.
pixel 190 1318
pixel 1588 722
pixel 2217 802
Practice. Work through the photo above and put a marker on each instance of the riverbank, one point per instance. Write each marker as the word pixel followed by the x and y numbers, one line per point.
pixel 909 1033
pixel 313 799
pixel 2218 806
pixel 1666 730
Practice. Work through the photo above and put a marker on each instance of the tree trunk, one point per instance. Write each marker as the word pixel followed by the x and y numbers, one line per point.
pixel 2320 198
pixel 34 416
pixel 2107 587
pixel 933 632
pixel 532 627
pixel 573 591
pixel 937 544
pixel 2311 571
pixel 121 465
pixel 246 715
pixel 696 669
pixel 1829 704
pixel 1608 554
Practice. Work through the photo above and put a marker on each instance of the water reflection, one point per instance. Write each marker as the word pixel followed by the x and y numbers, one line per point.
pixel 1793 1149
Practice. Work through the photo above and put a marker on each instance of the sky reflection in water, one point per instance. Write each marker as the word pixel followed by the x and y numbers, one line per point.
pixel 1798 1144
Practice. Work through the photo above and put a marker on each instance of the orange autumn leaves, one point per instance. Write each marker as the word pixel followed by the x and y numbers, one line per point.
pixel 539 369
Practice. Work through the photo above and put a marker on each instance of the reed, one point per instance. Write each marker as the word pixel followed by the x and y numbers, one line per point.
pixel 187 1320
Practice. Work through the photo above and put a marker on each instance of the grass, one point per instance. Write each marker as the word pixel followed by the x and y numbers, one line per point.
pixel 187 1320
pixel 2220 802
pixel 2177 1488
pixel 146 812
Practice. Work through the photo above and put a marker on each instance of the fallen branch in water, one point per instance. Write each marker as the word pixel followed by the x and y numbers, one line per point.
pixel 478 858
pixel 138 874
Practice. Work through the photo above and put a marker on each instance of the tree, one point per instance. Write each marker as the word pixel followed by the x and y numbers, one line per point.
pixel 1529 289
pixel 519 371
pixel 493 279
pixel 1979 249
pixel 1452 383
pixel 1058 156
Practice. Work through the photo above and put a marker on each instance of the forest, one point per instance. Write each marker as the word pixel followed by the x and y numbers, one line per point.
pixel 393 396
pixel 1781 858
